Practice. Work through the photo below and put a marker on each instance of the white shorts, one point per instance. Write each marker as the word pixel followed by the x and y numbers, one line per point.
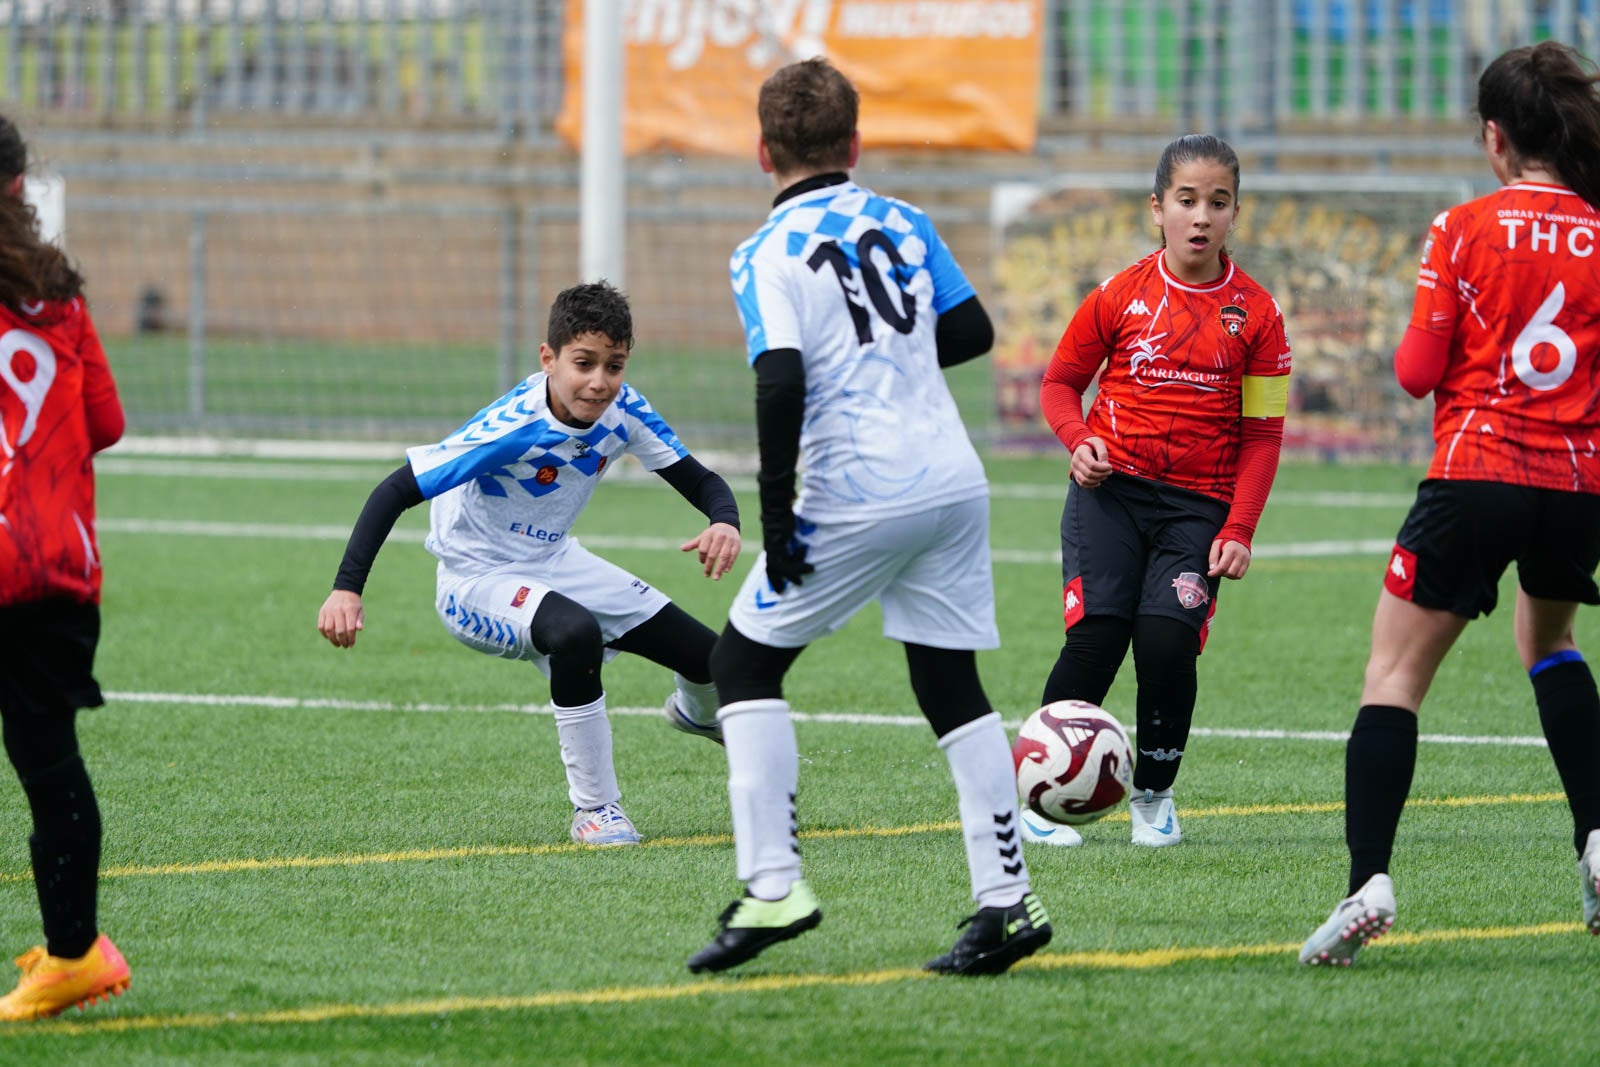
pixel 491 612
pixel 931 571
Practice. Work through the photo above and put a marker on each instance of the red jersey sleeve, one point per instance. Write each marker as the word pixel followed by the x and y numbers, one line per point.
pixel 1079 355
pixel 102 407
pixel 1436 306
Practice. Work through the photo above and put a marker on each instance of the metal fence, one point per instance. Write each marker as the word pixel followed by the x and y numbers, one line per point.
pixel 1239 66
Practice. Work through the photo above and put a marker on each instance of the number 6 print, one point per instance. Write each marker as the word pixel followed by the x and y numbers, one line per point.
pixel 1542 330
pixel 29 378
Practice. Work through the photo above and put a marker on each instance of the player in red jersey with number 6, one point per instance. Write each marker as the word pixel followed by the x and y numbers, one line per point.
pixel 1505 332
pixel 1172 466
pixel 58 407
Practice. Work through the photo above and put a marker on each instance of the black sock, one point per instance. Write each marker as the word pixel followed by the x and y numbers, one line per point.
pixel 66 855
pixel 1378 763
pixel 1164 652
pixel 1569 711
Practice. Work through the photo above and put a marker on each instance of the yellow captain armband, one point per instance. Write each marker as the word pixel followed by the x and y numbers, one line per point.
pixel 1264 397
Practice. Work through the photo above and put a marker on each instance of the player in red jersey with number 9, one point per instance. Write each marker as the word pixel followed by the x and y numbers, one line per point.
pixel 1173 465
pixel 1505 332
pixel 58 407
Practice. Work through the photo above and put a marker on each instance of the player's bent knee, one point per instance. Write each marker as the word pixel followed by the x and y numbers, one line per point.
pixel 564 629
pixel 748 670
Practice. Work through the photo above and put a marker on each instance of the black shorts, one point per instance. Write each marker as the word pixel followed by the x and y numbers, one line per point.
pixel 47 656
pixel 1460 536
pixel 1134 547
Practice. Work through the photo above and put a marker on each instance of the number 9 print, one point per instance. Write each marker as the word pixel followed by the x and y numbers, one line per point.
pixel 28 365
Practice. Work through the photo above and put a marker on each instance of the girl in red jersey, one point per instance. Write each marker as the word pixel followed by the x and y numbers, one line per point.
pixel 1505 331
pixel 1172 466
pixel 58 406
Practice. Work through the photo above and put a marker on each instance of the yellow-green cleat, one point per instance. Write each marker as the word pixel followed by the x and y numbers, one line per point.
pixel 749 925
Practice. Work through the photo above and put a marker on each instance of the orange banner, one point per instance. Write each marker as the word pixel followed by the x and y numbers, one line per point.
pixel 932 73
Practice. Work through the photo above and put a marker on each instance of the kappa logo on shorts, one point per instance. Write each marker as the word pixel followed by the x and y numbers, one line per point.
pixel 1233 319
pixel 1191 589
pixel 1072 602
pixel 1401 576
pixel 521 598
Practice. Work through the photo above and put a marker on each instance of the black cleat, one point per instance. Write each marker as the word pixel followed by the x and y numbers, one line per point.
pixel 749 925
pixel 995 938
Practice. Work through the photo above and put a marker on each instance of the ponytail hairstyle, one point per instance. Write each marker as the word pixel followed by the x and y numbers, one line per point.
pixel 31 268
pixel 1544 101
pixel 1194 148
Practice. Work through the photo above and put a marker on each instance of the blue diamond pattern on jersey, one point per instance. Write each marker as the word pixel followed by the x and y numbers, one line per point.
pixel 839 225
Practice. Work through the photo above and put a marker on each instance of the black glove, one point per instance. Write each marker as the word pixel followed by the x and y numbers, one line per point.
pixel 786 553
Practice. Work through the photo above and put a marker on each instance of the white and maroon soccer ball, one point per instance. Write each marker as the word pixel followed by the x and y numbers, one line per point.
pixel 1074 763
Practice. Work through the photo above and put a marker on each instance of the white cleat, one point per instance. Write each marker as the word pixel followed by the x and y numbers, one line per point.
pixel 1589 871
pixel 679 721
pixel 1155 821
pixel 603 827
pixel 1364 916
pixel 1042 831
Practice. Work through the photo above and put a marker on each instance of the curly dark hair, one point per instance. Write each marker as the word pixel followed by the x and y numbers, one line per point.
pixel 593 307
pixel 31 268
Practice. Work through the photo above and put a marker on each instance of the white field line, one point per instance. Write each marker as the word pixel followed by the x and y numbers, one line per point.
pixel 629 474
pixel 240 700
pixel 314 532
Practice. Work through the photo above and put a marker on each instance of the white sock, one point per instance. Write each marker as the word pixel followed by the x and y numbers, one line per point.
pixel 1156 795
pixel 763 773
pixel 586 751
pixel 697 700
pixel 986 788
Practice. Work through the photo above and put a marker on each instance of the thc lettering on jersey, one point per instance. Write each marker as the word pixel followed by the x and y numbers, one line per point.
pixel 1545 235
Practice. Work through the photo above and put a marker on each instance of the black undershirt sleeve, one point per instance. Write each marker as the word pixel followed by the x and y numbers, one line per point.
pixel 384 507
pixel 704 488
pixel 780 412
pixel 962 333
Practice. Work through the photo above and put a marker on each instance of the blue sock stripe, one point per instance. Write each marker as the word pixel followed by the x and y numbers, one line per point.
pixel 1567 655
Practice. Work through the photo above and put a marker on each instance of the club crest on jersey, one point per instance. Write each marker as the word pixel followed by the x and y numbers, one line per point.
pixel 545 476
pixel 1233 318
pixel 602 464
pixel 1191 589
pixel 522 596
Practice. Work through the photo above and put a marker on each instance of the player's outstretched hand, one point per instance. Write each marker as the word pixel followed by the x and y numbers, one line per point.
pixel 1230 559
pixel 718 546
pixel 1090 465
pixel 341 618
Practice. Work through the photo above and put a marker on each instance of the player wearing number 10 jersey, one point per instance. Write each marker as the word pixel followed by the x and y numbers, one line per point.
pixel 1505 332
pixel 852 305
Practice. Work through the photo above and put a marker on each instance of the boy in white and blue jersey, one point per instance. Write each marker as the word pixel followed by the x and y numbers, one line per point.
pixel 512 581
pixel 852 306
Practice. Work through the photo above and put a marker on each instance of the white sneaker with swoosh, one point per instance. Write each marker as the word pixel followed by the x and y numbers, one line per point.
pixel 1155 821
pixel 1042 831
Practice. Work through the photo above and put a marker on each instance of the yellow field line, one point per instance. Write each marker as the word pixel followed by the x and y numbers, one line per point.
pixel 427 855
pixel 1134 959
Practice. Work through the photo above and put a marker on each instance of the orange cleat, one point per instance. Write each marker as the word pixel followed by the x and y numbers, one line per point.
pixel 50 985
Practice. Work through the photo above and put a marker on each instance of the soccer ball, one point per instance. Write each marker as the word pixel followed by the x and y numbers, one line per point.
pixel 1074 763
